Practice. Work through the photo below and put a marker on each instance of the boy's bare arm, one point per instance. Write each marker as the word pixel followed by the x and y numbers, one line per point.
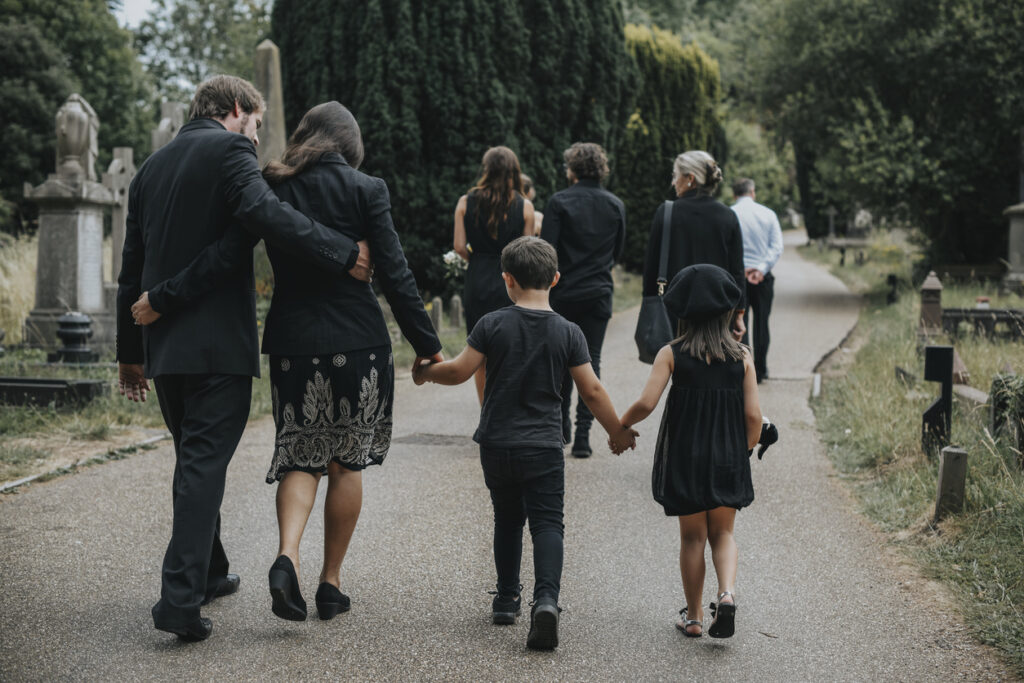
pixel 455 371
pixel 593 393
pixel 648 401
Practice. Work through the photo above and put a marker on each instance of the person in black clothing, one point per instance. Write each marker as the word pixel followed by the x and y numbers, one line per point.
pixel 202 358
pixel 529 351
pixel 488 217
pixel 587 226
pixel 329 347
pixel 704 230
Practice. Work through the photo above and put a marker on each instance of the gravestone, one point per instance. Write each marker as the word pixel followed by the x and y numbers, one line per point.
pixel 117 179
pixel 937 419
pixel 1015 277
pixel 831 213
pixel 69 273
pixel 455 315
pixel 172 118
pixel 931 305
pixel 268 81
pixel 952 482
pixel 437 313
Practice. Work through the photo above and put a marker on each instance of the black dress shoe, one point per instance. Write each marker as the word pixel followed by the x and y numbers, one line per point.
pixel 225 585
pixel 581 447
pixel 284 591
pixel 200 629
pixel 330 601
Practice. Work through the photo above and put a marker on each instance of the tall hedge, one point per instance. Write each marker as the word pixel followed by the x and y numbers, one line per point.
pixel 676 110
pixel 434 84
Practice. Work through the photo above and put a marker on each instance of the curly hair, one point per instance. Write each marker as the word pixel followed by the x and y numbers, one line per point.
pixel 702 166
pixel 587 161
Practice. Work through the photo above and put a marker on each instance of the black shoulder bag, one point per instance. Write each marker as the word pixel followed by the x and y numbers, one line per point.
pixel 653 329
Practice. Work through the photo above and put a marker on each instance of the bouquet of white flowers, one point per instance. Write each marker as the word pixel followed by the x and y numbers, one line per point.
pixel 454 266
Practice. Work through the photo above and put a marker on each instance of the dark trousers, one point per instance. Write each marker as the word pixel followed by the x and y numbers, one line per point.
pixel 527 484
pixel 760 304
pixel 592 316
pixel 206 415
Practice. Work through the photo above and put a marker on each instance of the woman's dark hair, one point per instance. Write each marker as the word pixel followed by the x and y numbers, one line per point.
pixel 327 127
pixel 587 161
pixel 500 181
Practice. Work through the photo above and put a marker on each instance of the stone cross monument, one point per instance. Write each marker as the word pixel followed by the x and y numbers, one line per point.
pixel 69 274
pixel 268 82
pixel 172 118
pixel 117 179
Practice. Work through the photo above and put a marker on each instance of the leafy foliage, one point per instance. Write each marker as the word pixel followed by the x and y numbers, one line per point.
pixel 184 42
pixel 435 84
pixel 677 96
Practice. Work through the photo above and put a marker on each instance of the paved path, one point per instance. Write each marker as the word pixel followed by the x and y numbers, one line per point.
pixel 818 599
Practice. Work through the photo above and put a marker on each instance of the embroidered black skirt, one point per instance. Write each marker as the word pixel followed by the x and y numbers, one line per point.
pixel 333 407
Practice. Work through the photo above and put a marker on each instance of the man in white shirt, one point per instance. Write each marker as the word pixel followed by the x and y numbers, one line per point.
pixel 762 247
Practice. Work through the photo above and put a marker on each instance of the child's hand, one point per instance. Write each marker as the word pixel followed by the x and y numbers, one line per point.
pixel 624 438
pixel 420 366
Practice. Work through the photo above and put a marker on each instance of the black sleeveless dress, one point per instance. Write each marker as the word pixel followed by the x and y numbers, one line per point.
pixel 484 289
pixel 700 459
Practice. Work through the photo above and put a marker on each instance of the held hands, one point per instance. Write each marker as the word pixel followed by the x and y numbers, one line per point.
pixel 143 312
pixel 131 382
pixel 420 365
pixel 363 269
pixel 754 276
pixel 624 438
pixel 739 327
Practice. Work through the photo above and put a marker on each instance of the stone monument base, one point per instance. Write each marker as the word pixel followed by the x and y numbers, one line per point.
pixel 40 330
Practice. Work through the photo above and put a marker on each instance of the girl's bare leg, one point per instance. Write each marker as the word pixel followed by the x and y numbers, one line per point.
pixel 723 548
pixel 480 378
pixel 693 534
pixel 296 493
pixel 341 512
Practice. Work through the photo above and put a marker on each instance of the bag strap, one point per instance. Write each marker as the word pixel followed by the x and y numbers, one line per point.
pixel 666 233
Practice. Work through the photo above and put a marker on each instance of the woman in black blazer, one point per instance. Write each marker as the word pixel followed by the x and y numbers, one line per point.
pixel 331 366
pixel 704 230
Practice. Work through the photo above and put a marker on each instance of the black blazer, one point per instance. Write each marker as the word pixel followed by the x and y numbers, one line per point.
pixel 704 230
pixel 587 226
pixel 181 201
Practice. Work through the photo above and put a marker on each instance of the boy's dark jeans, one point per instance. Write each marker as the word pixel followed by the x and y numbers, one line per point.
pixel 526 484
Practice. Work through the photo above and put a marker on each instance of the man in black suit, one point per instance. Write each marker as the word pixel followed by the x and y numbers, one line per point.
pixel 203 358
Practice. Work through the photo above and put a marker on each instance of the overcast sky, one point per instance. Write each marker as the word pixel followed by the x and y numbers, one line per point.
pixel 133 12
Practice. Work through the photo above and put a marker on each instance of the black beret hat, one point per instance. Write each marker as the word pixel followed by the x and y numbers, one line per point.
pixel 701 292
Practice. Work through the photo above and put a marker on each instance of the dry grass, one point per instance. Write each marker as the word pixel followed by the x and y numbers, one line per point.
pixel 17 283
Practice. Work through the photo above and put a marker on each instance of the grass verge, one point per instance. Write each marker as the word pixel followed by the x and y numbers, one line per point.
pixel 871 424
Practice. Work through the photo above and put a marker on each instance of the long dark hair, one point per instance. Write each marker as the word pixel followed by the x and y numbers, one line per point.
pixel 500 181
pixel 327 127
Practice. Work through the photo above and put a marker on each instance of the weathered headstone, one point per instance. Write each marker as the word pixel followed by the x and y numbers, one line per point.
pixel 1015 276
pixel 455 315
pixel 69 273
pixel 268 81
pixel 831 213
pixel 437 313
pixel 952 482
pixel 931 305
pixel 117 179
pixel 937 419
pixel 172 118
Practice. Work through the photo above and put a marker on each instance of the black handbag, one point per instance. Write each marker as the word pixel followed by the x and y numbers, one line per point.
pixel 653 329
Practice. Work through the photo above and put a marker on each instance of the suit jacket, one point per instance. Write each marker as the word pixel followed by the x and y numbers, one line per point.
pixel 704 230
pixel 181 201
pixel 587 226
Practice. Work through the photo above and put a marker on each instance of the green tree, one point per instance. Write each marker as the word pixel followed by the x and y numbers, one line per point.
pixel 910 114
pixel 676 109
pixel 435 84
pixel 184 42
pixel 95 55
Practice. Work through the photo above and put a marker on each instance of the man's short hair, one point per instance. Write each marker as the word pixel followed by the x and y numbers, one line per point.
pixel 587 161
pixel 742 187
pixel 215 98
pixel 531 261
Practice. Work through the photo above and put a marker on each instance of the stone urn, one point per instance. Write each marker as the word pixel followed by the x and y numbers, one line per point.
pixel 74 136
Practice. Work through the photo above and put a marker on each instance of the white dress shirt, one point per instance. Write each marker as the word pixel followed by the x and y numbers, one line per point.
pixel 762 234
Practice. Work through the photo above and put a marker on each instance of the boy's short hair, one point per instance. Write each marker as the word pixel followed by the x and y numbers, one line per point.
pixel 531 261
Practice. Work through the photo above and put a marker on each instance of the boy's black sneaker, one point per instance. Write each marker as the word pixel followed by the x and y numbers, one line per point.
pixel 505 609
pixel 543 625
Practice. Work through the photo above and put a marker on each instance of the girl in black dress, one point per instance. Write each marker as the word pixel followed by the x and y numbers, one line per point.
pixel 711 421
pixel 492 214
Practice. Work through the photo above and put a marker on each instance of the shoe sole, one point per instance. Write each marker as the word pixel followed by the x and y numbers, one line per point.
pixel 505 618
pixel 544 631
pixel 282 606
pixel 328 610
pixel 187 636
pixel 724 625
pixel 582 454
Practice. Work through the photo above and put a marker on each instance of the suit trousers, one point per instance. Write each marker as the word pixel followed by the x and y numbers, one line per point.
pixel 592 316
pixel 206 415
pixel 759 299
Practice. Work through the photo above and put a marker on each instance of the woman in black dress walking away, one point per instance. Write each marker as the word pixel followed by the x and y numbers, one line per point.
pixel 711 421
pixel 492 214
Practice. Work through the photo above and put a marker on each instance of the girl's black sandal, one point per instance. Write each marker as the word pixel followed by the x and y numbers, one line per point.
pixel 684 624
pixel 724 624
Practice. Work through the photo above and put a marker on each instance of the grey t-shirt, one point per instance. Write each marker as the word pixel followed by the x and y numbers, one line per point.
pixel 529 353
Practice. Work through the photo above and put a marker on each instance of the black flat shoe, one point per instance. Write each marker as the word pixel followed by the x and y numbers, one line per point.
pixel 330 601
pixel 543 625
pixel 225 585
pixel 284 591
pixel 581 447
pixel 200 629
pixel 724 624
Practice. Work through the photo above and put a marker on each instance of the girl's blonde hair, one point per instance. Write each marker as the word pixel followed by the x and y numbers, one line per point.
pixel 710 340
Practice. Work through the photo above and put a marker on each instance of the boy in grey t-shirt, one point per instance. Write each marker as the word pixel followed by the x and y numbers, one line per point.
pixel 528 350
